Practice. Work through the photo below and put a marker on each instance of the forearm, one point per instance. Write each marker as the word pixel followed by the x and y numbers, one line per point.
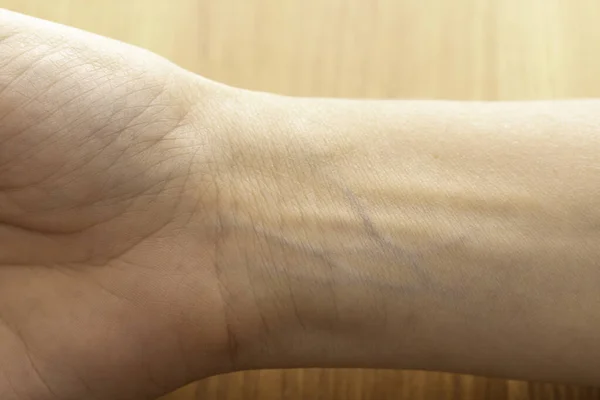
pixel 436 235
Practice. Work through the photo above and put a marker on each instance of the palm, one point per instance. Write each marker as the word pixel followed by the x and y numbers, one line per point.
pixel 96 157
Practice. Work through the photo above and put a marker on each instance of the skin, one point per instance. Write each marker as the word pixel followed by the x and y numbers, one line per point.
pixel 157 228
pixel 107 279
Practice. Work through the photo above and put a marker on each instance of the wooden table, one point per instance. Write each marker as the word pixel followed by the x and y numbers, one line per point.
pixel 455 49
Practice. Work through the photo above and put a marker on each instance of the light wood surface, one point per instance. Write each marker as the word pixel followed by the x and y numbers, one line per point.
pixel 455 49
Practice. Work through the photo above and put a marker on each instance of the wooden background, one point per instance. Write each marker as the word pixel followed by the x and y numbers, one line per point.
pixel 457 49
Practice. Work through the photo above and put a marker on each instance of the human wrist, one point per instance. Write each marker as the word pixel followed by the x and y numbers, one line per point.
pixel 281 220
pixel 421 207
pixel 355 234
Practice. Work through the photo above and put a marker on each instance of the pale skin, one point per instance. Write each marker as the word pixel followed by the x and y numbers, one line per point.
pixel 157 228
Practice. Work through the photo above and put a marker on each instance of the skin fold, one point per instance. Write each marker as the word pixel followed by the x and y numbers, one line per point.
pixel 157 228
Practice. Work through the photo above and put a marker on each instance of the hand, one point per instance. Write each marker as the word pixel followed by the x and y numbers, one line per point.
pixel 107 218
pixel 156 228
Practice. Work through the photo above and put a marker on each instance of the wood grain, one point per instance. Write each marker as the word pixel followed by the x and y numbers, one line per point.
pixel 460 49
